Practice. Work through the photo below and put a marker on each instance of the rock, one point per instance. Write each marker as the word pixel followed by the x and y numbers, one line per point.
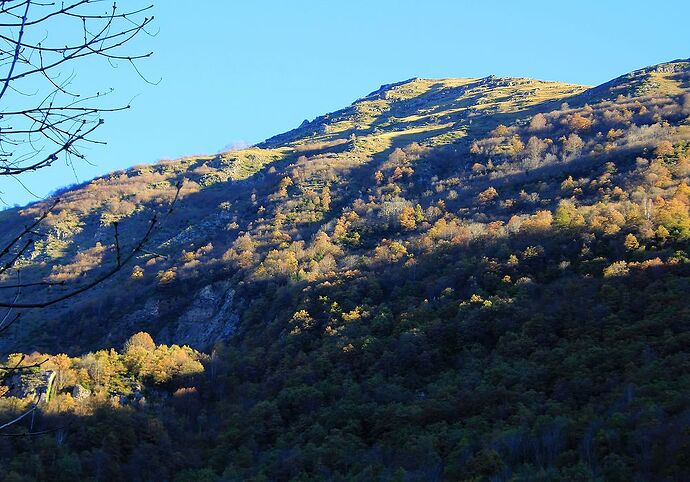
pixel 80 393
pixel 37 386
pixel 45 389
pixel 211 317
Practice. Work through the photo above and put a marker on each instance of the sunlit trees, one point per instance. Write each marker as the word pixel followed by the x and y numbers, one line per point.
pixel 538 123
pixel 664 148
pixel 535 149
pixel 516 145
pixel 631 243
pixel 137 273
pixel 674 216
pixel 64 373
pixel 538 222
pixel 578 122
pixel 326 198
pixel 140 340
pixel 49 117
pixel 500 131
pixel 158 363
pixel 489 194
pixel 407 218
pixel 390 251
pixel 242 252
pixel 278 263
pixel 283 186
pixel 618 268
pixel 567 215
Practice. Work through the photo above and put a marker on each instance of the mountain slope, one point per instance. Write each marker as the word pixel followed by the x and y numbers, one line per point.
pixel 458 279
pixel 445 125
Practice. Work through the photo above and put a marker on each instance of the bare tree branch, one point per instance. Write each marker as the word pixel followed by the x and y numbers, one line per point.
pixel 12 422
pixel 35 136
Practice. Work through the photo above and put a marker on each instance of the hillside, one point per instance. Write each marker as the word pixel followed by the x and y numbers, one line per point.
pixel 450 279
pixel 236 193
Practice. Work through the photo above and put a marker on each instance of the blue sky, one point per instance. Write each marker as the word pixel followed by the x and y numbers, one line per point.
pixel 240 71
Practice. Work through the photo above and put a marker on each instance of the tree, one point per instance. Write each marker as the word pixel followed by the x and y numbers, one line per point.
pixel 140 340
pixel 418 213
pixel 326 198
pixel 137 272
pixel 631 243
pixel 572 146
pixel 615 269
pixel 516 145
pixel 578 122
pixel 488 194
pixel 478 168
pixel 243 251
pixel 500 131
pixel 664 148
pixel 62 366
pixel 535 148
pixel 538 123
pixel 568 184
pixel 567 215
pixel 56 121
pixel 283 186
pixel 407 218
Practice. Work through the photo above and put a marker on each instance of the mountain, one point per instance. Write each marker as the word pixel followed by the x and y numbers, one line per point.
pixel 450 279
pixel 235 196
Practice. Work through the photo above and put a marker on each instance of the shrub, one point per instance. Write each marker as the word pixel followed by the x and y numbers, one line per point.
pixel 618 268
pixel 487 195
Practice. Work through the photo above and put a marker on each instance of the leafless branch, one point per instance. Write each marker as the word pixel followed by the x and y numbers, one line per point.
pixel 35 134
pixel 20 417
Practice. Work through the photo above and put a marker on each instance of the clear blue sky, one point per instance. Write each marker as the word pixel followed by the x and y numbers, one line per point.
pixel 241 71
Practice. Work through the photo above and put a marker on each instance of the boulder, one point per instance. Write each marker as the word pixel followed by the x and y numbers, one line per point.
pixel 80 393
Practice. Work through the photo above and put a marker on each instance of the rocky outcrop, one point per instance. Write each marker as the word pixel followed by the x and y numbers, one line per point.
pixel 211 317
pixel 37 386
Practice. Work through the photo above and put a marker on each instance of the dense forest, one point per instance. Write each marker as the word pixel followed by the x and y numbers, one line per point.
pixel 458 279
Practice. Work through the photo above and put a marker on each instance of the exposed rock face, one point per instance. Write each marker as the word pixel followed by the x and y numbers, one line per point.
pixel 211 317
pixel 36 386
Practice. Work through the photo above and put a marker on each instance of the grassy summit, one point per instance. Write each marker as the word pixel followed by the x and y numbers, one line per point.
pixel 419 108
